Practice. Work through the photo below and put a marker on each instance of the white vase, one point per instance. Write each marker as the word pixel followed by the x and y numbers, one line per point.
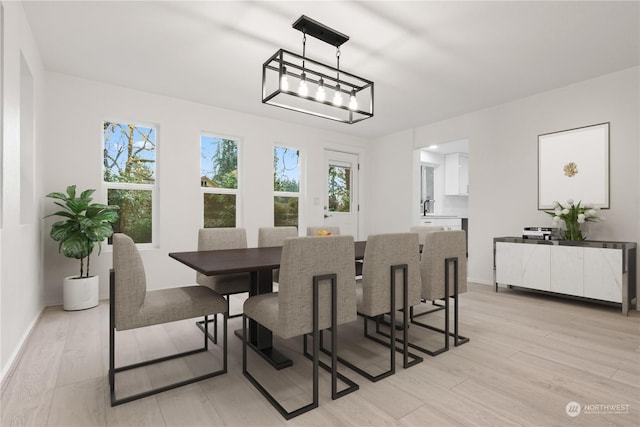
pixel 80 293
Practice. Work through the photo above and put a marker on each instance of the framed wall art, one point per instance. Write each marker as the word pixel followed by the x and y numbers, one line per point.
pixel 574 164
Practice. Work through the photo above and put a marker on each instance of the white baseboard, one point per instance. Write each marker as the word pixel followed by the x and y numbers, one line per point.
pixel 17 353
pixel 480 281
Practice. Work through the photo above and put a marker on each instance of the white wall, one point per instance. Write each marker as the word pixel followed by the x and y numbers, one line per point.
pixel 393 204
pixel 503 163
pixel 21 291
pixel 75 111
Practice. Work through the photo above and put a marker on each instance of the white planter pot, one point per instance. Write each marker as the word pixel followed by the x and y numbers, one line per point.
pixel 80 294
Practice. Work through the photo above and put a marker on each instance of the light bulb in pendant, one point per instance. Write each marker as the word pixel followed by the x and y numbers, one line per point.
pixel 337 98
pixel 353 102
pixel 303 89
pixel 284 82
pixel 320 93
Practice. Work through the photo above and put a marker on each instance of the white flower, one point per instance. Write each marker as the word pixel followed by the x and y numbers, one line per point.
pixel 558 212
pixel 556 203
pixel 569 201
pixel 565 211
pixel 581 219
pixel 592 212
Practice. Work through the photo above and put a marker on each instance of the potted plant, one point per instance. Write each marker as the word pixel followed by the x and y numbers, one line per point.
pixel 85 224
pixel 573 215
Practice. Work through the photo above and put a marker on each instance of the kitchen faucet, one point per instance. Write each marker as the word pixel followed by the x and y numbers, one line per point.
pixel 427 206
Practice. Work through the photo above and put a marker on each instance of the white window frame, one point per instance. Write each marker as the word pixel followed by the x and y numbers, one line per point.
pixel 155 215
pixel 213 190
pixel 297 194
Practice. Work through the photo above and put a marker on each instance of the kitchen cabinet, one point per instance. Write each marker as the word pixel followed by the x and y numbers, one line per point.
pixel 449 223
pixel 596 270
pixel 456 174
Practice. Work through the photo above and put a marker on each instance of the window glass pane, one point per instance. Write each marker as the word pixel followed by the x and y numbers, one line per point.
pixel 219 210
pixel 339 189
pixel 286 171
pixel 285 211
pixel 129 153
pixel 218 162
pixel 134 216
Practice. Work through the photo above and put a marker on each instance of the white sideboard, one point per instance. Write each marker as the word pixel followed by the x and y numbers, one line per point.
pixel 604 271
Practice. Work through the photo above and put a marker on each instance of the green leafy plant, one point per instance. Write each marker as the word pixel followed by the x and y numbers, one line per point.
pixel 573 215
pixel 85 225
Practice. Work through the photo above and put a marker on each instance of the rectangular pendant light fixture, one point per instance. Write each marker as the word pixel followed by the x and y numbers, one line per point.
pixel 302 84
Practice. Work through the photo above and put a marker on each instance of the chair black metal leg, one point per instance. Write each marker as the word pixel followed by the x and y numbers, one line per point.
pixel 113 370
pixel 392 337
pixel 286 414
pixel 315 356
pixel 458 339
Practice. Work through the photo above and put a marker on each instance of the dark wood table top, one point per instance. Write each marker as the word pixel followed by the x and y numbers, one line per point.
pixel 227 261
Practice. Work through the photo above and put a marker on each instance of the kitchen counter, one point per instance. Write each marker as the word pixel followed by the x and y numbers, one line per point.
pixel 440 216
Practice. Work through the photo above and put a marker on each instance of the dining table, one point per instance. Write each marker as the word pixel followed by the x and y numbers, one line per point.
pixel 259 263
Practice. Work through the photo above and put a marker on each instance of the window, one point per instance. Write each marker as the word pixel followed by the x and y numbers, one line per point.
pixel 339 188
pixel 286 186
pixel 219 180
pixel 129 174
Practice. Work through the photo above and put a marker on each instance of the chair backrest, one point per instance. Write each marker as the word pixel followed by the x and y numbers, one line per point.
pixel 313 230
pixel 302 259
pixel 274 236
pixel 130 281
pixel 382 252
pixel 438 246
pixel 219 238
pixel 423 229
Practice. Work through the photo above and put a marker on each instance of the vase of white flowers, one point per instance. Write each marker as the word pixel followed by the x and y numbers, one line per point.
pixel 573 215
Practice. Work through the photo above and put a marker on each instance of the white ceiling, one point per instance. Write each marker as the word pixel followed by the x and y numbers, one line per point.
pixel 430 60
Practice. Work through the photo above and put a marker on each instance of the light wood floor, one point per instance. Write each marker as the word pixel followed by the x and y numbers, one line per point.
pixel 529 356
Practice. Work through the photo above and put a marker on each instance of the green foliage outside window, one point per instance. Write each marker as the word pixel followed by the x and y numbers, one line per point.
pixel 218 162
pixel 138 205
pixel 286 179
pixel 219 210
pixel 339 189
pixel 286 171
pixel 219 169
pixel 285 211
pixel 129 157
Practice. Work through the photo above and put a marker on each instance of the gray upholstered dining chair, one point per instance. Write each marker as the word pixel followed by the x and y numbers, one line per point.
pixel 274 236
pixel 443 270
pixel 132 306
pixel 312 230
pixel 225 284
pixel 390 282
pixel 223 238
pixel 317 291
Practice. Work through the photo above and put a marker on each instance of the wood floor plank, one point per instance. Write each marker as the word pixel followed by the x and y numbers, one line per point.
pixel 79 404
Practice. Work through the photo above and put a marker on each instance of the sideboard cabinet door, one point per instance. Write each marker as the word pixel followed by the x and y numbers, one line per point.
pixel 509 263
pixel 567 266
pixel 603 274
pixel 535 267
